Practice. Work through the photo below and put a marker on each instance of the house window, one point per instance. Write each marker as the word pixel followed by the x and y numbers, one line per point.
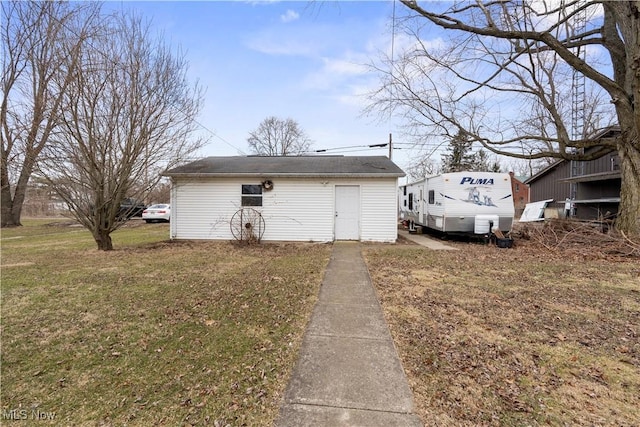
pixel 251 195
pixel 517 187
pixel 432 197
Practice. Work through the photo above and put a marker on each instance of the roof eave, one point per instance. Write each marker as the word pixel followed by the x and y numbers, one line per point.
pixel 544 171
pixel 601 176
pixel 284 175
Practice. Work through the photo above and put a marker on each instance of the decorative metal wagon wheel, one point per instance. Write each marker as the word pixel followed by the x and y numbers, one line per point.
pixel 247 225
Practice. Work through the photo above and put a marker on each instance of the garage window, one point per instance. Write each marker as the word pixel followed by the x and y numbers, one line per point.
pixel 251 195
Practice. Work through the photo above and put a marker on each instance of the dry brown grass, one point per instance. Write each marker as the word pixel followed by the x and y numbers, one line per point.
pixel 522 336
pixel 159 333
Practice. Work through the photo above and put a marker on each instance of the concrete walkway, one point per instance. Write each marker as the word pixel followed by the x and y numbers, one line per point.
pixel 426 241
pixel 348 372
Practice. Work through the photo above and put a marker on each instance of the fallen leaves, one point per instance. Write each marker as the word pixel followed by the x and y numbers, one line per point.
pixel 522 336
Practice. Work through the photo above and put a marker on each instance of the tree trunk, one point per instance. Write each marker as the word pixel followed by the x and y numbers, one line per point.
pixel 5 207
pixel 7 218
pixel 629 211
pixel 103 239
pixel 12 206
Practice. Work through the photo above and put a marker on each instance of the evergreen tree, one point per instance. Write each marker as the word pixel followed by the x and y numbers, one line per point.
pixel 459 156
pixel 484 163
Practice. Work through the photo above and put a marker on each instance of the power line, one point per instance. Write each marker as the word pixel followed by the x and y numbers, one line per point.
pixel 220 138
pixel 432 148
pixel 349 150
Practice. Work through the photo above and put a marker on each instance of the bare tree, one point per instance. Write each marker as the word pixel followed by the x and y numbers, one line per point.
pixel 278 137
pixel 41 41
pixel 526 167
pixel 161 192
pixel 504 76
pixel 420 167
pixel 127 114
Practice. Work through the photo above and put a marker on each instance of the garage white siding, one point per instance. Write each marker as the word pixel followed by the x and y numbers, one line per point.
pixel 379 210
pixel 296 209
pixel 202 209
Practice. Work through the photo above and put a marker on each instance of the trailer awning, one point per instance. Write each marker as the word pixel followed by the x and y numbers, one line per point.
pixel 534 211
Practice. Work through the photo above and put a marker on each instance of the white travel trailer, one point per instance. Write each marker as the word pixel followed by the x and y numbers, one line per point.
pixel 459 202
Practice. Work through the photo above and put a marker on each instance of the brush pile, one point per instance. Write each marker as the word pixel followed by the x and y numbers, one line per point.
pixel 587 240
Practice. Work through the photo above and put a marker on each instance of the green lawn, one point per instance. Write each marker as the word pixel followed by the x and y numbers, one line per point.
pixel 154 332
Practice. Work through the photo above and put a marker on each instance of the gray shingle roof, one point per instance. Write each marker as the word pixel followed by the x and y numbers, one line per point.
pixel 293 166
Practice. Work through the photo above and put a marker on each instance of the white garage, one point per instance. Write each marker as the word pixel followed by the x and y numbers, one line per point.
pixel 296 198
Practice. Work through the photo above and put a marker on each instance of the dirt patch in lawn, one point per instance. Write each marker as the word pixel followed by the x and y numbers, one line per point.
pixel 532 335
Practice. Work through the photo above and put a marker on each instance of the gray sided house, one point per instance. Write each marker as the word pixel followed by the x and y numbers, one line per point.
pixel 593 186
pixel 296 198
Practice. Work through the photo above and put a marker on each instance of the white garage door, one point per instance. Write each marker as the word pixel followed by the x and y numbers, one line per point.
pixel 347 223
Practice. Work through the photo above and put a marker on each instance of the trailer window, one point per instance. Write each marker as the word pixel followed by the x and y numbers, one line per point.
pixel 410 201
pixel 432 197
pixel 251 195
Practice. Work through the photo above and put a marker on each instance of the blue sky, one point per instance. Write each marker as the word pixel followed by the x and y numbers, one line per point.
pixel 300 60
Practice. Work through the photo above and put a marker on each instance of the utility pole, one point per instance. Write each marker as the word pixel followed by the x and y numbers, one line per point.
pixel 390 147
pixel 575 29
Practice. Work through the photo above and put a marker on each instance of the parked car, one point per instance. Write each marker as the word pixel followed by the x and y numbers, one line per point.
pixel 130 208
pixel 159 212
